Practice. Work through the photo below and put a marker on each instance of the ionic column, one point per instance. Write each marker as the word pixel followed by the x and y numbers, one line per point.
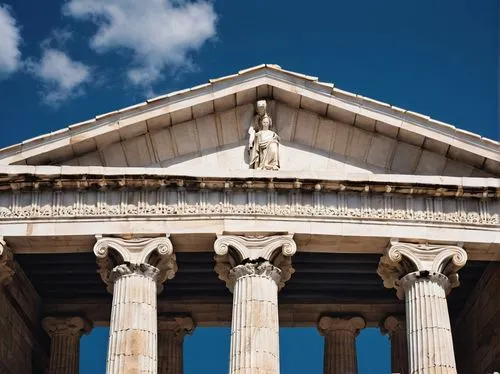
pixel 255 274
pixel 395 328
pixel 65 334
pixel 171 332
pixel 340 343
pixel 423 279
pixel 134 273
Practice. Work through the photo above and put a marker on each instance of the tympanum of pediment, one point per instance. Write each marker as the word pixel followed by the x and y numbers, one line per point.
pixel 318 127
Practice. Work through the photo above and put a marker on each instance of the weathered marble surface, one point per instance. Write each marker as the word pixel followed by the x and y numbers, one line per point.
pixel 336 137
pixel 254 268
pixel 423 275
pixel 133 327
pixel 363 129
pixel 395 327
pixel 255 326
pixel 171 332
pixel 65 334
pixel 477 330
pixel 134 273
pixel 261 199
pixel 340 343
pixel 7 265
pixel 21 349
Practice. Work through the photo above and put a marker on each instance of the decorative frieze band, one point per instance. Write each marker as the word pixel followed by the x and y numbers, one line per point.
pixel 179 201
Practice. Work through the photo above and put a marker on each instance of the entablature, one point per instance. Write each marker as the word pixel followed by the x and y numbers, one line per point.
pixel 54 193
pixel 336 212
pixel 356 213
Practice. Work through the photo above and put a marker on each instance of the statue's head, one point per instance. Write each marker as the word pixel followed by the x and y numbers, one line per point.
pixel 266 122
pixel 261 107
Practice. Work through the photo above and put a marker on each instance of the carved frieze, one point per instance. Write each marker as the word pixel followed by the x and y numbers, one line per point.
pixel 174 202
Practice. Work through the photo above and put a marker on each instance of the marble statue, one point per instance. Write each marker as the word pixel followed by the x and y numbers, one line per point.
pixel 263 143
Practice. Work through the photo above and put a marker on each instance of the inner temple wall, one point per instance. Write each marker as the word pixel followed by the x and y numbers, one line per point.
pixel 477 330
pixel 21 350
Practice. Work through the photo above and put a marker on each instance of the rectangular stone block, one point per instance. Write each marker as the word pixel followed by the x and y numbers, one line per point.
pixel 477 330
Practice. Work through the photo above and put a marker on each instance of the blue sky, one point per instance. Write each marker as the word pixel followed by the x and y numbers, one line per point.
pixel 207 351
pixel 62 62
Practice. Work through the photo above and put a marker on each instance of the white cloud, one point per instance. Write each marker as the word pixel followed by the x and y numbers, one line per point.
pixel 62 77
pixel 160 33
pixel 10 38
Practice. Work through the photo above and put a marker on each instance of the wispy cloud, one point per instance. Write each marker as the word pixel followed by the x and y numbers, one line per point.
pixel 62 77
pixel 57 38
pixel 160 34
pixel 10 38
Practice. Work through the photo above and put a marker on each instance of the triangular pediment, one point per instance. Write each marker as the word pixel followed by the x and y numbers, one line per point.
pixel 320 127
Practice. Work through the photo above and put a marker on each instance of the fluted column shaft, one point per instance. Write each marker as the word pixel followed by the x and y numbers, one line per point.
pixel 255 325
pixel 395 327
pixel 254 269
pixel 340 344
pixel 340 352
pixel 430 343
pixel 66 356
pixel 171 334
pixel 65 334
pixel 170 353
pixel 133 327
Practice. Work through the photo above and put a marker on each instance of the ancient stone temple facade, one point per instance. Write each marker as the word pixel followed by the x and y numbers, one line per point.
pixel 263 199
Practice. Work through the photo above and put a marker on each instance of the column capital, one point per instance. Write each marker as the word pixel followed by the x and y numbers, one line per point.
pixel 177 325
pixel 261 269
pixel 393 324
pixel 276 250
pixel 69 326
pixel 156 252
pixel 146 270
pixel 327 324
pixel 7 265
pixel 255 247
pixel 425 260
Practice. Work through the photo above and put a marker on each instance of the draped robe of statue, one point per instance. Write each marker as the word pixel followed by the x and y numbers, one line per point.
pixel 264 154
